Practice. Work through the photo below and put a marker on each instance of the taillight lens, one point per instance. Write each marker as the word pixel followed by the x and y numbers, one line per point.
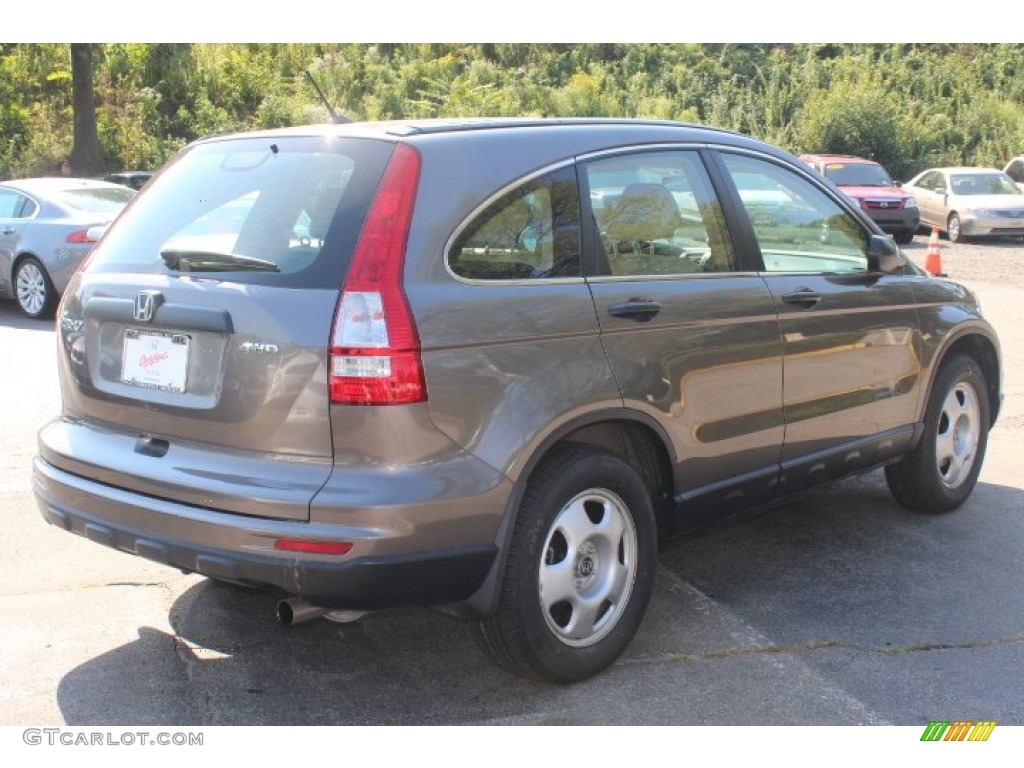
pixel 80 236
pixel 375 350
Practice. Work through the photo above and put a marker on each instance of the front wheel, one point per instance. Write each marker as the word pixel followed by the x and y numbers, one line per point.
pixel 580 569
pixel 904 236
pixel 940 473
pixel 953 229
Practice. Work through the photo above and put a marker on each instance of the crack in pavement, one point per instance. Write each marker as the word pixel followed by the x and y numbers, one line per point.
pixel 79 587
pixel 815 645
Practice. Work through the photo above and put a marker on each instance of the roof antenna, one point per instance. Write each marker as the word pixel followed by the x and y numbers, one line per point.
pixel 336 117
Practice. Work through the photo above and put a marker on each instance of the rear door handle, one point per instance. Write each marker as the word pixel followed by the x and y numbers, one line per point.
pixel 804 297
pixel 9 230
pixel 638 309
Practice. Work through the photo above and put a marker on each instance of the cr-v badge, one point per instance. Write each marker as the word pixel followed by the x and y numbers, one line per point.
pixel 255 348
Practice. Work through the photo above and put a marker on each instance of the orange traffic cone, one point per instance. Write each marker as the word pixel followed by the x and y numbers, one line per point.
pixel 933 256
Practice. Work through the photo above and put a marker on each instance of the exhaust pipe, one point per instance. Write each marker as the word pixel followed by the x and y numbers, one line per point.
pixel 296 611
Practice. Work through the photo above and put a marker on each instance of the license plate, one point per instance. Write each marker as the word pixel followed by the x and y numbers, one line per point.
pixel 155 359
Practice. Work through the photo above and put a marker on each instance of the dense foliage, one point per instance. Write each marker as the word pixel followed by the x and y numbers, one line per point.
pixel 908 106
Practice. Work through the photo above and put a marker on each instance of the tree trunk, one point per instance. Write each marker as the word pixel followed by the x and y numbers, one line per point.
pixel 86 157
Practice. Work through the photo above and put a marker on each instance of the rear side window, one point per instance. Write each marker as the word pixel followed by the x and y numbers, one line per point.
pixel 282 211
pixel 530 232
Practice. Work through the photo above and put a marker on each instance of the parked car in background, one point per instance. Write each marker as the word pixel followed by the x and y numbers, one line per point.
pixel 867 182
pixel 965 202
pixel 487 364
pixel 133 179
pixel 47 226
pixel 1015 170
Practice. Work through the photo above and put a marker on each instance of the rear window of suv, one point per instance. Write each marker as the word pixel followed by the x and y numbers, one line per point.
pixel 270 211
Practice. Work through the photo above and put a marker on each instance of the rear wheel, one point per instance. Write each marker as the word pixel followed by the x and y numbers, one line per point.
pixel 580 569
pixel 33 289
pixel 940 473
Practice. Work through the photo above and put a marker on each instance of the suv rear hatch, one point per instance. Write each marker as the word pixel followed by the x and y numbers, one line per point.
pixel 194 343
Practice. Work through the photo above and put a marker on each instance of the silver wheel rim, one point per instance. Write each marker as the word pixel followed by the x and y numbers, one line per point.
pixel 588 566
pixel 959 431
pixel 954 229
pixel 31 288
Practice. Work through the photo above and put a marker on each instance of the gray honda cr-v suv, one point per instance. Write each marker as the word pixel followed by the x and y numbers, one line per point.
pixel 488 364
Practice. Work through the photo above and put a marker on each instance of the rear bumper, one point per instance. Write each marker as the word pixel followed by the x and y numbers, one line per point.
pixel 241 548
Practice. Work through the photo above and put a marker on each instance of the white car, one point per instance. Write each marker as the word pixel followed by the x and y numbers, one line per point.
pixel 965 202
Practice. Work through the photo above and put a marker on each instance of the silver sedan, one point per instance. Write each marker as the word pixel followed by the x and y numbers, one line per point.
pixel 47 226
pixel 968 201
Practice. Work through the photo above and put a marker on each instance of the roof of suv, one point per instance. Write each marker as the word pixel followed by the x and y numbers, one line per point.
pixel 511 146
pixel 641 131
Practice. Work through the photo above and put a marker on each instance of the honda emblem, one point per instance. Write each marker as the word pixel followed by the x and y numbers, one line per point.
pixel 146 304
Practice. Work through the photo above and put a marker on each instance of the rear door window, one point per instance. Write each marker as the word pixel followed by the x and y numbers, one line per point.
pixel 283 211
pixel 656 214
pixel 14 205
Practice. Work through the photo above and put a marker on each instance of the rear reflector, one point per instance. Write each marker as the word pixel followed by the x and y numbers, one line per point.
pixel 314 547
pixel 375 349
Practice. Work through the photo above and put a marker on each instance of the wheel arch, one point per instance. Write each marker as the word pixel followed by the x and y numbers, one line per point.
pixel 631 435
pixel 984 350
pixel 23 256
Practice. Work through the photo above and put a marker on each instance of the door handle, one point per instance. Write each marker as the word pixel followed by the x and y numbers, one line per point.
pixel 804 297
pixel 641 310
pixel 9 230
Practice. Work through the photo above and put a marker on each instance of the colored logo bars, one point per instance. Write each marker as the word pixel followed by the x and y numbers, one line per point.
pixel 958 730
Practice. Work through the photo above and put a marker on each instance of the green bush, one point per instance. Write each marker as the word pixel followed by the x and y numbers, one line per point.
pixel 909 106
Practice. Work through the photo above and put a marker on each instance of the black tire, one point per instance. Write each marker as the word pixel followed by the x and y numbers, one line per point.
pixel 587 509
pixel 905 236
pixel 953 230
pixel 940 473
pixel 33 289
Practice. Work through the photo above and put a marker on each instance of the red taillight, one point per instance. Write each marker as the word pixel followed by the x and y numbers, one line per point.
pixel 375 350
pixel 80 236
pixel 314 547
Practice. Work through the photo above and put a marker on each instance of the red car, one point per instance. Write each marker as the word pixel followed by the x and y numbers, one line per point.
pixel 870 185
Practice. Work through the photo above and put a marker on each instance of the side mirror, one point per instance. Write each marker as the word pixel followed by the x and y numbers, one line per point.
pixel 884 255
pixel 941 191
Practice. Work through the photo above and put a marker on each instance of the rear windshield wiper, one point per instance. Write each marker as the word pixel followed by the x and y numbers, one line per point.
pixel 212 261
